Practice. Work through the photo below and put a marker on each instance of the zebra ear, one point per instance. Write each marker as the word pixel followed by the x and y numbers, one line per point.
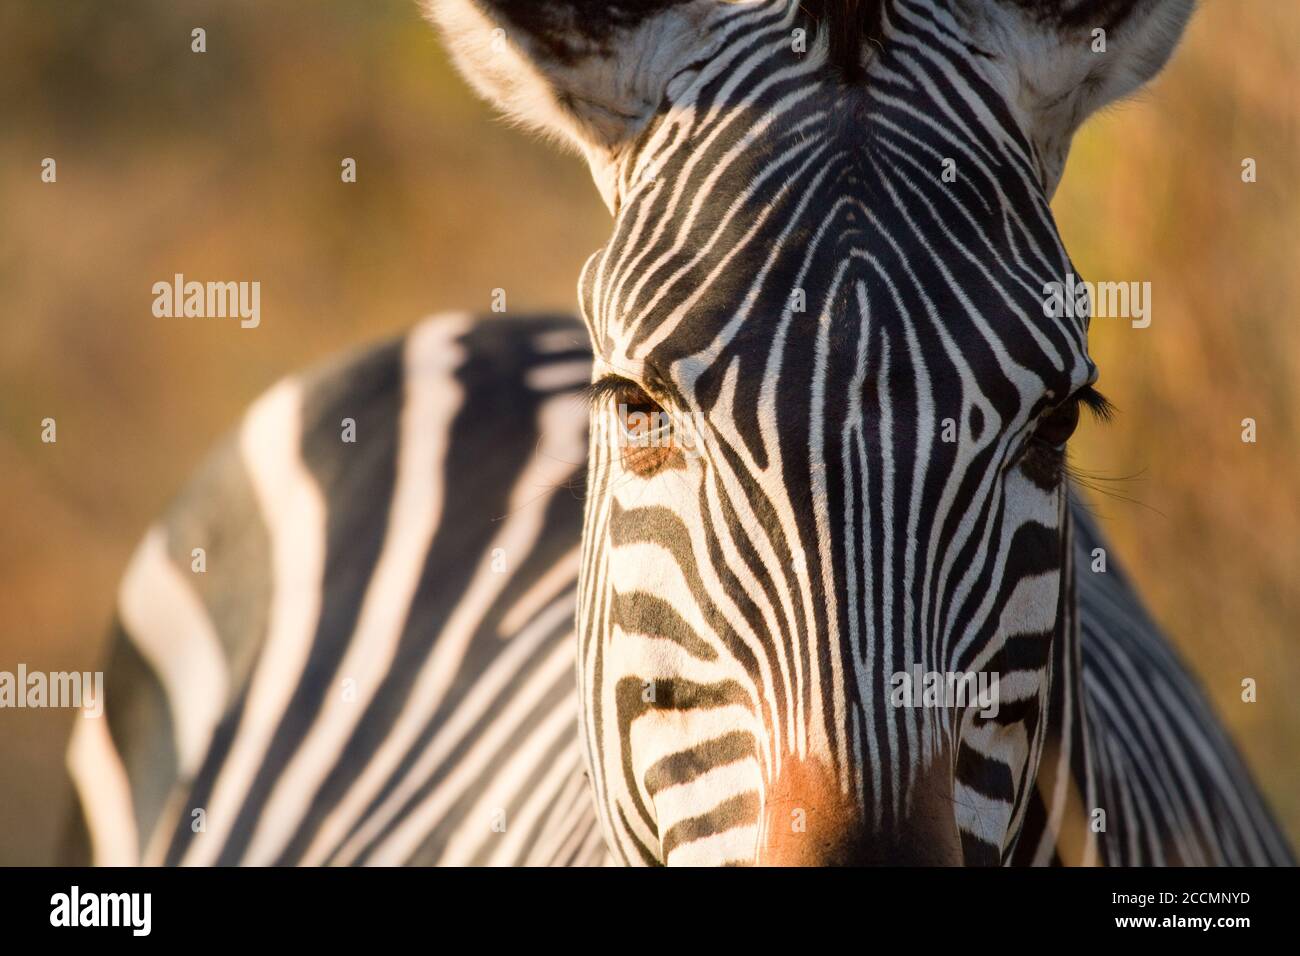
pixel 589 72
pixel 1069 58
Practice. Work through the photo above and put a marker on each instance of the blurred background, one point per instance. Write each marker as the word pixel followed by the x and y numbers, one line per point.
pixel 225 165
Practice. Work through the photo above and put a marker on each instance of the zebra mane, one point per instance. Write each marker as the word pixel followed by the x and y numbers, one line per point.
pixel 848 25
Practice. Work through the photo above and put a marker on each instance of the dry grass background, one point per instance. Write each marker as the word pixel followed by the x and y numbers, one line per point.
pixel 226 165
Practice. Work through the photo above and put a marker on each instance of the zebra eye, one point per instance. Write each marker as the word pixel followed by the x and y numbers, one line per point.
pixel 643 430
pixel 1055 428
pixel 639 414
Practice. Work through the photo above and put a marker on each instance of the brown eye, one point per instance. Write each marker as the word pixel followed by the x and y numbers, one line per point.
pixel 646 435
pixel 639 415
pixel 1056 427
pixel 643 430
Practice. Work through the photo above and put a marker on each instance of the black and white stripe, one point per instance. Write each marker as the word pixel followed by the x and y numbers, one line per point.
pixel 376 666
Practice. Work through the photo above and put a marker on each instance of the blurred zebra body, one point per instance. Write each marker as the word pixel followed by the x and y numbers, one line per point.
pixel 377 664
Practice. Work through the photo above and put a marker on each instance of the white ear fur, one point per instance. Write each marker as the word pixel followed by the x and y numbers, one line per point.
pixel 1056 77
pixel 591 89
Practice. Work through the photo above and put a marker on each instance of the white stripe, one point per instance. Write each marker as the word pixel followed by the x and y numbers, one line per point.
pixel 293 511
pixel 542 592
pixel 660 733
pixel 683 801
pixel 105 793
pixel 558 375
pixel 560 340
pixel 737 845
pixel 167 622
pixel 982 816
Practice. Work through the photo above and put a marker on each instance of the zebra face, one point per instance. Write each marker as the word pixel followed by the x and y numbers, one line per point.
pixel 828 428
pixel 823 567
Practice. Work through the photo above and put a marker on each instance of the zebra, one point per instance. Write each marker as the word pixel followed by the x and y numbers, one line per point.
pixel 730 702
pixel 830 410
pixel 362 670
pixel 503 392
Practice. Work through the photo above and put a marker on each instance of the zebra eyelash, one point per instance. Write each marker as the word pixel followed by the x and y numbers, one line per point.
pixel 615 388
pixel 1101 408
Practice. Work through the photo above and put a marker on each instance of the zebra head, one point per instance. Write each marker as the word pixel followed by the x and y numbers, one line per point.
pixel 825 550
